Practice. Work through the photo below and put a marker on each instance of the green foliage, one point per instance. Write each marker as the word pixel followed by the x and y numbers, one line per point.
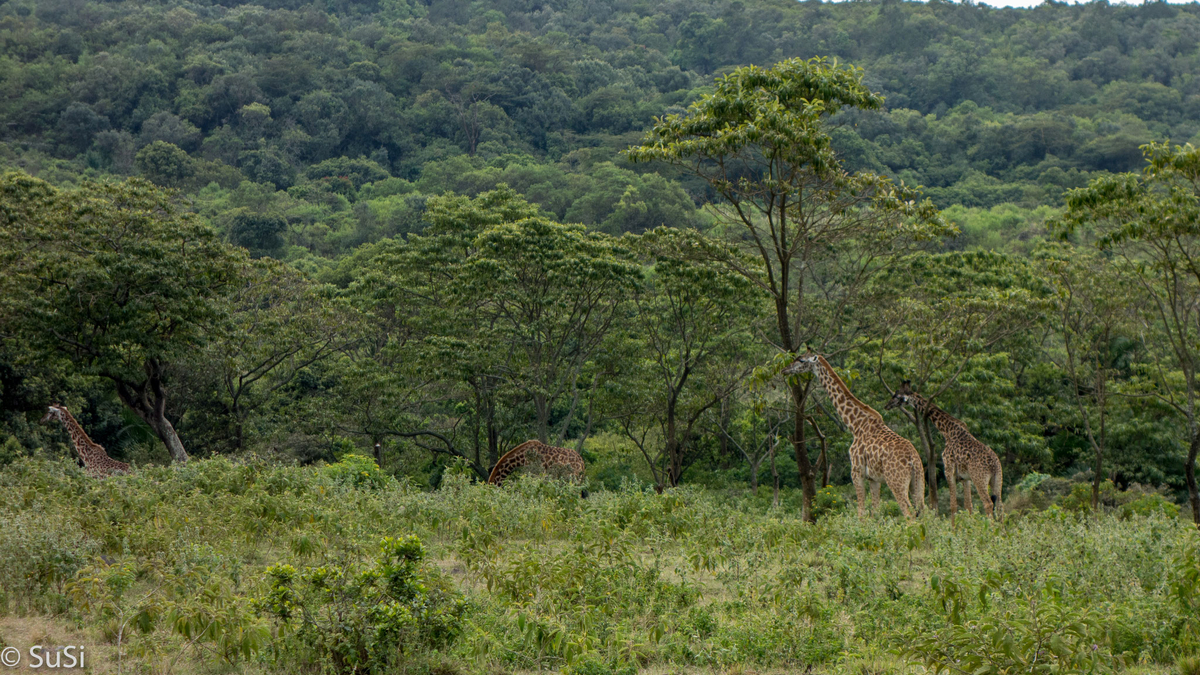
pixel 10 450
pixel 117 279
pixel 1035 630
pixel 357 619
pixel 357 471
pixel 625 579
pixel 1031 481
pixel 828 501
pixel 1149 505
pixel 1080 499
pixel 164 164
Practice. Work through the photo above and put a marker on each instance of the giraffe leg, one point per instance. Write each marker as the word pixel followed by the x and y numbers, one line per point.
pixel 875 486
pixel 982 479
pixel 858 477
pixel 950 473
pixel 917 486
pixel 967 493
pixel 899 485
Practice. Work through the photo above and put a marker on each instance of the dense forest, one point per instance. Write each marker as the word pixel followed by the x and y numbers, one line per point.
pixel 418 228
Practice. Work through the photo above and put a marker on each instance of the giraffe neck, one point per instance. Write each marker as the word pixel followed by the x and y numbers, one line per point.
pixel 83 443
pixel 944 421
pixel 854 413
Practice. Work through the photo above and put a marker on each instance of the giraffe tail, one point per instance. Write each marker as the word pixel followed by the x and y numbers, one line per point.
pixel 918 486
pixel 997 487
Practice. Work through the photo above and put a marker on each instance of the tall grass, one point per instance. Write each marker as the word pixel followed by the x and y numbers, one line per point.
pixel 621 580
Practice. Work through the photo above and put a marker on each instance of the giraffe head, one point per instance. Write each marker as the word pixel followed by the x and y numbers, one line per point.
pixel 804 363
pixel 54 413
pixel 902 396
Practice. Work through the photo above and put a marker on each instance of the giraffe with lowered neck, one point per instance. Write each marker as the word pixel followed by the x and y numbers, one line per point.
pixel 877 453
pixel 96 462
pixel 964 456
pixel 561 462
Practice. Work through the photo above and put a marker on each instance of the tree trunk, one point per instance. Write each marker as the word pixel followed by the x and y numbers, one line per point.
pixel 775 478
pixel 674 456
pixel 726 453
pixel 148 399
pixel 1190 473
pixel 808 488
pixel 166 433
pixel 823 467
pixel 931 470
pixel 543 417
pixel 1096 479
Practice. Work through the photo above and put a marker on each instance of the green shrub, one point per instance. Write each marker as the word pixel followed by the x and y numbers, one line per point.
pixel 1038 630
pixel 10 450
pixel 39 554
pixel 358 471
pixel 1148 504
pixel 352 620
pixel 1031 481
pixel 828 500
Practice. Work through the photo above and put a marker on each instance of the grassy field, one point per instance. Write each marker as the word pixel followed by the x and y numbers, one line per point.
pixel 247 566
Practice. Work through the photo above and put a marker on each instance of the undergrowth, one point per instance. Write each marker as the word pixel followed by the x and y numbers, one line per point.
pixel 259 567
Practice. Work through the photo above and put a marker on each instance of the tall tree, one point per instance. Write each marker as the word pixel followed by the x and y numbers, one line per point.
pixel 551 293
pixel 1092 315
pixel 278 325
pixel 692 317
pixel 116 277
pixel 1151 225
pixel 760 141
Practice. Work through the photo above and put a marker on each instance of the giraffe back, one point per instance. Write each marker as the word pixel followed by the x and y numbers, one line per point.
pixel 537 456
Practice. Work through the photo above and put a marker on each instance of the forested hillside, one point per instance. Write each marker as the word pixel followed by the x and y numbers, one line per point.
pixel 389 173
pixel 983 106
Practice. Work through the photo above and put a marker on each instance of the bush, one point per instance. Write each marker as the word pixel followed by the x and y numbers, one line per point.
pixel 1080 498
pixel 358 471
pixel 1148 504
pixel 39 554
pixel 1038 631
pixel 374 620
pixel 828 500
pixel 1031 481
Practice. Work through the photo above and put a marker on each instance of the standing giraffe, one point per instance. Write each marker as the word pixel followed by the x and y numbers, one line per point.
pixel 876 453
pixel 96 462
pixel 562 462
pixel 964 456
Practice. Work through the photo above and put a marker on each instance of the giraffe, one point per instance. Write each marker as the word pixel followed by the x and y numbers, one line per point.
pixel 562 462
pixel 964 456
pixel 96 462
pixel 876 453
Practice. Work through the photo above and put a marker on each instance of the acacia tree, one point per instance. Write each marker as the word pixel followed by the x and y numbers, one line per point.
pixel 117 278
pixel 940 316
pixel 1151 226
pixel 550 295
pixel 692 317
pixel 278 325
pixel 761 143
pixel 1093 310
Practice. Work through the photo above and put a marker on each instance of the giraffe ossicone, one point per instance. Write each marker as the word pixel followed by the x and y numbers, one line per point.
pixel 554 461
pixel 964 456
pixel 877 453
pixel 96 462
